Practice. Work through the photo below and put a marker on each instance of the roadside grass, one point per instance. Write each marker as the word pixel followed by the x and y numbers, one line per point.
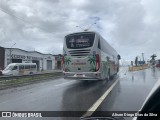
pixel 17 81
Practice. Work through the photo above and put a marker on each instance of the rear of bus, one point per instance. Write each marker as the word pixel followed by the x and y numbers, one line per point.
pixel 81 59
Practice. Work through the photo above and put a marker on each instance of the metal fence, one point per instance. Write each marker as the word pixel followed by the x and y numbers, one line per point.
pixel 14 81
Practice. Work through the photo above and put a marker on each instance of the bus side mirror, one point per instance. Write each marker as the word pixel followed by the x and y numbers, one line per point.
pixel 119 57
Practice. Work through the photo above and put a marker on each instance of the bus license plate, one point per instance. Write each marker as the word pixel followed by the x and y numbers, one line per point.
pixel 79 75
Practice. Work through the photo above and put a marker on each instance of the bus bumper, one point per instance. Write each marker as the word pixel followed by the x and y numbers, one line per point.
pixel 82 76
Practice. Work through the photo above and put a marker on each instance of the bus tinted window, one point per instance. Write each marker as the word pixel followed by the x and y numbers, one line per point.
pixel 27 67
pixel 99 45
pixel 33 66
pixel 21 67
pixel 9 68
pixel 14 68
pixel 83 40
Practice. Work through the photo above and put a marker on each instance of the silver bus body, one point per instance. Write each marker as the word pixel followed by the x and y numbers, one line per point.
pixel 87 56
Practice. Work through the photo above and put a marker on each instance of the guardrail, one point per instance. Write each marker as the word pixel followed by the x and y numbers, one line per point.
pixel 13 81
pixel 136 68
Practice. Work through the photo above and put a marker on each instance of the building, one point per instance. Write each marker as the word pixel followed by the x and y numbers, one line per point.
pixel 15 55
pixel 2 54
pixel 58 61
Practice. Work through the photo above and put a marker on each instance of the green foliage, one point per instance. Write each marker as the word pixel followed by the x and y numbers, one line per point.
pixel 67 60
pixel 92 68
pixel 153 56
pixel 92 61
pixel 136 61
pixel 67 69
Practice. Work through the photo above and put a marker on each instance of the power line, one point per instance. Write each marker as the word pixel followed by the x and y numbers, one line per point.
pixel 10 14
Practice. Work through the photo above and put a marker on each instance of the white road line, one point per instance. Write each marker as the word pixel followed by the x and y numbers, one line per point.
pixel 99 101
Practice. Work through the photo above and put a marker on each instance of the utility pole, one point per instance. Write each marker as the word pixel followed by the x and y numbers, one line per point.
pixel 143 56
pixel 10 52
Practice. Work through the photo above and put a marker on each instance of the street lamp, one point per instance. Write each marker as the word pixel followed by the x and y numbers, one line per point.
pixel 11 52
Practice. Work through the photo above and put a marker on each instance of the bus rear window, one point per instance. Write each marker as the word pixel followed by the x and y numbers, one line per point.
pixel 78 41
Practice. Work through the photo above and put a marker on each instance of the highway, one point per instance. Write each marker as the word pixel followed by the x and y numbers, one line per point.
pixel 128 91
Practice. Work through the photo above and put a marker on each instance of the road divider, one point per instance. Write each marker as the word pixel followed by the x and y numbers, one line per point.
pixel 136 68
pixel 14 81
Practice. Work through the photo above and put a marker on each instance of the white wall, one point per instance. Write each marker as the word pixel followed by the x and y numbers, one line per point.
pixel 28 57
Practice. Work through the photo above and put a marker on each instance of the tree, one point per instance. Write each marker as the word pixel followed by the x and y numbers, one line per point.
pixel 152 61
pixel 153 56
pixel 136 61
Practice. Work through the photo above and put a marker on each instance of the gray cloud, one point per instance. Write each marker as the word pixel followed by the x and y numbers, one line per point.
pixel 131 27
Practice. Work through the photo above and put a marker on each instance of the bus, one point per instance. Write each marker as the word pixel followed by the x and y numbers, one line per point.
pixel 87 56
pixel 20 69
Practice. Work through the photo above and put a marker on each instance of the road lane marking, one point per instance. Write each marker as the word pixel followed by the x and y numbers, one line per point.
pixel 99 101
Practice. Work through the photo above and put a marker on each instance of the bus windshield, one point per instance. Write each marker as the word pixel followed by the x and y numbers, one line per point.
pixel 78 41
pixel 9 68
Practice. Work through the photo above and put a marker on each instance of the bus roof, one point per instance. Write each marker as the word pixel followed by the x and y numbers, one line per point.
pixel 82 32
pixel 106 47
pixel 13 64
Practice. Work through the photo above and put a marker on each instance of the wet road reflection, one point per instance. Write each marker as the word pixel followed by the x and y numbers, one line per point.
pixel 72 95
pixel 131 91
pixel 81 96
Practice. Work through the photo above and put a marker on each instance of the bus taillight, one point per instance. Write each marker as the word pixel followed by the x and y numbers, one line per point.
pixel 97 62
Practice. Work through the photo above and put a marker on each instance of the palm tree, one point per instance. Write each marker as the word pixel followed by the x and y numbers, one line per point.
pixel 92 60
pixel 67 60
pixel 67 69
pixel 92 68
pixel 152 61
pixel 153 56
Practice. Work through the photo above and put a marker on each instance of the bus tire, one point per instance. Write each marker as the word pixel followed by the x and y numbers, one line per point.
pixel 31 73
pixel 117 69
pixel 108 76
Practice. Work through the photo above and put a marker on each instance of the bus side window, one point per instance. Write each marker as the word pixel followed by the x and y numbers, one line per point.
pixel 15 68
pixel 33 67
pixel 21 67
pixel 27 67
pixel 99 45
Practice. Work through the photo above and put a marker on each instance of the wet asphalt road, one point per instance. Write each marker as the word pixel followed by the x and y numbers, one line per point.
pixel 71 95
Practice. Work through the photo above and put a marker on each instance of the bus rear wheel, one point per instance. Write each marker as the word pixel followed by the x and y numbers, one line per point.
pixel 108 76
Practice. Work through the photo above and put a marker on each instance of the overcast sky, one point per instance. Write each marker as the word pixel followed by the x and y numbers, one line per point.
pixel 130 26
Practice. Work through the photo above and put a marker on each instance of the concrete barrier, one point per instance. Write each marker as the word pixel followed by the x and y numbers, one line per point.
pixel 136 68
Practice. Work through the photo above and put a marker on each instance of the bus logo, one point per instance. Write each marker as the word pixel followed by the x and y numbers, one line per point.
pixel 6 114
